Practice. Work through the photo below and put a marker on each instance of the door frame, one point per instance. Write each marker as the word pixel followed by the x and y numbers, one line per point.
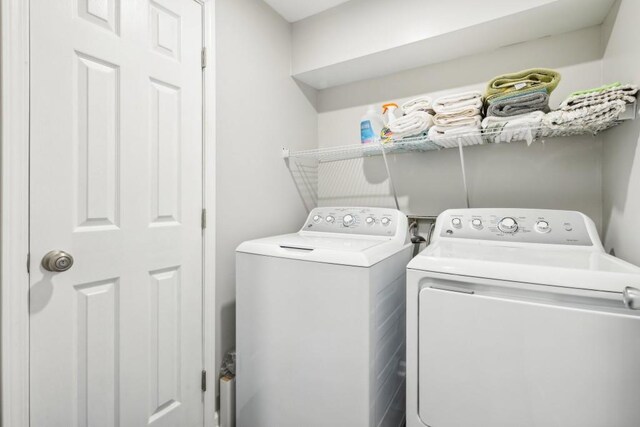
pixel 14 211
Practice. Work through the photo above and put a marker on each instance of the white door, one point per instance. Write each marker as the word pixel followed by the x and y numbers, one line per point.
pixel 116 181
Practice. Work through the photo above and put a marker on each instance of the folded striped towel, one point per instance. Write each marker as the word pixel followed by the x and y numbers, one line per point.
pixel 423 103
pixel 523 127
pixel 593 110
pixel 616 91
pixel 604 88
pixel 458 102
pixel 514 105
pixel 468 117
pixel 523 82
pixel 594 117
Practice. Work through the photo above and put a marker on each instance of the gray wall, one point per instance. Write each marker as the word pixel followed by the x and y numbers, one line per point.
pixel 621 176
pixel 259 110
pixel 559 174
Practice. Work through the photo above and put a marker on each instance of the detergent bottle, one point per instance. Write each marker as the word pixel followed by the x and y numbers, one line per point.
pixel 371 125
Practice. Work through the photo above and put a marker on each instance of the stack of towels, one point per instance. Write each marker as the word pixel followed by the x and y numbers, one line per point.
pixel 516 103
pixel 417 119
pixel 594 109
pixel 523 127
pixel 457 120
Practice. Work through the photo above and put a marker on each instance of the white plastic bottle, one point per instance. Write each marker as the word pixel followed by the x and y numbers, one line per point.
pixel 370 126
pixel 389 109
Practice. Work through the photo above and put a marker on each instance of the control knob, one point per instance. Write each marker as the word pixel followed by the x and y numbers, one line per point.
pixel 385 221
pixel 370 220
pixel 476 223
pixel 330 219
pixel 508 225
pixel 317 218
pixel 456 222
pixel 543 227
pixel 348 220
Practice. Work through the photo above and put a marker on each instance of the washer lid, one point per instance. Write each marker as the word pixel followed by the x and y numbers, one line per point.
pixel 539 264
pixel 357 251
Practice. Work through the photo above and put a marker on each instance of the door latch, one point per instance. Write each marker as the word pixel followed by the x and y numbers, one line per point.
pixel 631 297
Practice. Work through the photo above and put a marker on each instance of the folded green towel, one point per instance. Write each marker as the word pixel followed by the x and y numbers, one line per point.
pixel 523 82
pixel 596 89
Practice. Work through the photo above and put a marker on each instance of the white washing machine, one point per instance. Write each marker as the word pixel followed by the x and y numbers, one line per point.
pixel 518 318
pixel 321 322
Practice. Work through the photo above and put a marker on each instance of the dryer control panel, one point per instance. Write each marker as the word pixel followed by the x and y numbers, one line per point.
pixel 518 225
pixel 358 221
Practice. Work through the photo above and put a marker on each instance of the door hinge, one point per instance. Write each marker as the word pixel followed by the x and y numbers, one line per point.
pixel 204 381
pixel 203 220
pixel 203 59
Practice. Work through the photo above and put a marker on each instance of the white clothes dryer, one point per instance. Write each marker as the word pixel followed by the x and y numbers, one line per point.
pixel 321 322
pixel 518 318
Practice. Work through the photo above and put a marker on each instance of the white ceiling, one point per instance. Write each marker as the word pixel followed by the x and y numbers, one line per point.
pixel 295 10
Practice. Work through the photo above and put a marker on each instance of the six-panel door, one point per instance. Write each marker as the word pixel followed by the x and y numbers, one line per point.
pixel 116 181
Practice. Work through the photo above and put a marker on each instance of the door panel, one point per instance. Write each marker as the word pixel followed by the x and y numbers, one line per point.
pixel 97 341
pixel 97 118
pixel 490 357
pixel 116 181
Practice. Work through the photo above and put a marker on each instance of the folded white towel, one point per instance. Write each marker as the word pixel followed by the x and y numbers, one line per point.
pixel 410 124
pixel 468 116
pixel 459 116
pixel 456 102
pixel 450 137
pixel 423 103
pixel 523 127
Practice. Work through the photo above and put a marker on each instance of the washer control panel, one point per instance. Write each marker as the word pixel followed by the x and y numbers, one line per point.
pixel 362 221
pixel 518 225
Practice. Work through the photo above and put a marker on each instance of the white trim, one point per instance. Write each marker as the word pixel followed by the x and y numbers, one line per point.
pixel 209 315
pixel 14 218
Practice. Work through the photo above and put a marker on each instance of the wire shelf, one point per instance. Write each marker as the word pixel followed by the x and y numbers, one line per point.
pixel 424 143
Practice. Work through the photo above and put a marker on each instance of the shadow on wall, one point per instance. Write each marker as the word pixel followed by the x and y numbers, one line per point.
pixel 355 182
pixel 304 174
pixel 228 333
pixel 620 36
pixel 607 25
pixel 621 149
pixel 310 93
pixel 555 174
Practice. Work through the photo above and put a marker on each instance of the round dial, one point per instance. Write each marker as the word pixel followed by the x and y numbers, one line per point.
pixel 385 221
pixel 508 225
pixel 330 219
pixel 456 222
pixel 317 218
pixel 543 226
pixel 370 220
pixel 476 223
pixel 348 220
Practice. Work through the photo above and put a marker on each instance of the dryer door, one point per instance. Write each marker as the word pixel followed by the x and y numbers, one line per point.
pixel 496 356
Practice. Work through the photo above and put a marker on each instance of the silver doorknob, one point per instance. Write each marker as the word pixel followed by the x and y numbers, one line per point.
pixel 57 261
pixel 631 297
